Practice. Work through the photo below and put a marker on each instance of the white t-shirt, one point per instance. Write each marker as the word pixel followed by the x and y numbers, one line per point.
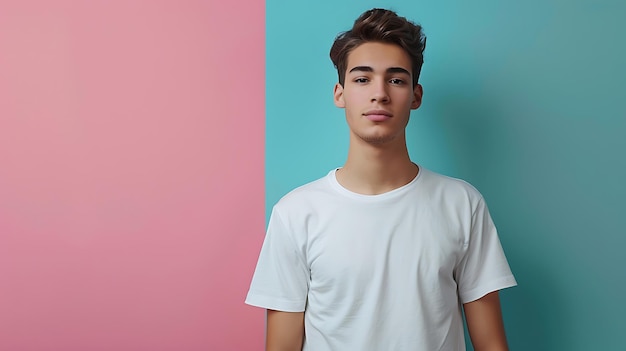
pixel 380 272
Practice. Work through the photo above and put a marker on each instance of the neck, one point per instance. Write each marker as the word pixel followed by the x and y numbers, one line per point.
pixel 372 169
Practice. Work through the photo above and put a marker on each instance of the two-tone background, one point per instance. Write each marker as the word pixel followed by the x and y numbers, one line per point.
pixel 143 142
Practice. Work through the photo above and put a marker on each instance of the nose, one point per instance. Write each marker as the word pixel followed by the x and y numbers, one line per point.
pixel 379 91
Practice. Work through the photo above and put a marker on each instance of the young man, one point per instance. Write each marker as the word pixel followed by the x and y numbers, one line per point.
pixel 381 254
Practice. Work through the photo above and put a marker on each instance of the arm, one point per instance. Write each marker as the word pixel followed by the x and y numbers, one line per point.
pixel 484 323
pixel 285 331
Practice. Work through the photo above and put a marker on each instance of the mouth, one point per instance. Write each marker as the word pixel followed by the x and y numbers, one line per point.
pixel 378 112
pixel 377 115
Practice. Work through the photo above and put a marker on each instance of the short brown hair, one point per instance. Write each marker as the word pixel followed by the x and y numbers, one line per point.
pixel 385 26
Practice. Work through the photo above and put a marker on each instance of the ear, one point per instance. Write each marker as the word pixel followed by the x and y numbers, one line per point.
pixel 338 96
pixel 417 97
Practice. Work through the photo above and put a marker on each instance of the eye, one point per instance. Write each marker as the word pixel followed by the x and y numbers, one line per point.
pixel 361 80
pixel 396 81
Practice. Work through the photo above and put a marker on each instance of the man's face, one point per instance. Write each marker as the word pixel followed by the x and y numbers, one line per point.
pixel 378 93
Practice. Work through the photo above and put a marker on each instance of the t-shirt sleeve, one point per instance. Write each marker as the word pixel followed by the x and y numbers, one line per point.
pixel 281 279
pixel 483 267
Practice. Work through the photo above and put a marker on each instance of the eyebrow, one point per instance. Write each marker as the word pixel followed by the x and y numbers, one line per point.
pixel 389 70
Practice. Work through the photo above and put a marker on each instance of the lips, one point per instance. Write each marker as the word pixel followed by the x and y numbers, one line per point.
pixel 377 115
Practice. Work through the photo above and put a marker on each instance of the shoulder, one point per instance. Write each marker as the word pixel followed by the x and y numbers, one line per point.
pixel 449 190
pixel 440 182
pixel 306 196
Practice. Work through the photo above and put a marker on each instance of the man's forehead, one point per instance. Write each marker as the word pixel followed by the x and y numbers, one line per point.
pixel 392 70
pixel 377 57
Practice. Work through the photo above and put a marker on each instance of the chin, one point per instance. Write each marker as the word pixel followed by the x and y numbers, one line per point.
pixel 378 139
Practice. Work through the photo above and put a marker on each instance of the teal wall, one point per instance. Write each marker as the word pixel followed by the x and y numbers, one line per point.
pixel 527 101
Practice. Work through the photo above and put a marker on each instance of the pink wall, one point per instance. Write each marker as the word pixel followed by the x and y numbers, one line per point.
pixel 131 174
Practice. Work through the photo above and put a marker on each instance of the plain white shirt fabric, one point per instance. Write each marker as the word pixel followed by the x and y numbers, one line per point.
pixel 380 272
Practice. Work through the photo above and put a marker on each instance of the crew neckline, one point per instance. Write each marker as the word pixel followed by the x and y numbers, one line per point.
pixel 332 177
